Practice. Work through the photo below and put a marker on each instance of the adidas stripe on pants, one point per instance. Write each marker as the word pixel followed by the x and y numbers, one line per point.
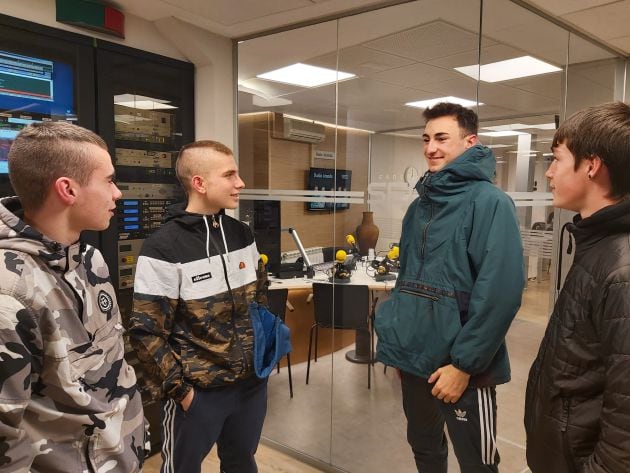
pixel 231 416
pixel 471 423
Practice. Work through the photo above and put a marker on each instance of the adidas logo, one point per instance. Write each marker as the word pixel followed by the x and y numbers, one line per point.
pixel 460 415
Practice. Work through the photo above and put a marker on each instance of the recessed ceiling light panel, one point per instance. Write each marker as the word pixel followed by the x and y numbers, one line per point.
pixel 304 75
pixel 431 102
pixel 496 134
pixel 515 68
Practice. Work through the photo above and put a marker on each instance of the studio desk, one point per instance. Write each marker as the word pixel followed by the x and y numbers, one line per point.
pixel 300 316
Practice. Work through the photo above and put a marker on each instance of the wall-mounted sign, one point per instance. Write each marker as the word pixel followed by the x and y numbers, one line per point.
pixel 320 154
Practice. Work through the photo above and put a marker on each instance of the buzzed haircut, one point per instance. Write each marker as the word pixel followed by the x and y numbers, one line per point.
pixel 185 168
pixel 603 131
pixel 466 118
pixel 44 152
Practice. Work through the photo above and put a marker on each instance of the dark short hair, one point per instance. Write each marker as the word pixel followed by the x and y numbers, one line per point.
pixel 466 118
pixel 44 152
pixel 603 131
pixel 184 167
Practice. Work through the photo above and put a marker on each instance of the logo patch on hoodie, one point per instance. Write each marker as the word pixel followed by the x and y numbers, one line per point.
pixel 105 302
pixel 201 277
pixel 241 265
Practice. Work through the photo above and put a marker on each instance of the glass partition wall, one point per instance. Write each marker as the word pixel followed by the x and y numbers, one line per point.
pixel 325 158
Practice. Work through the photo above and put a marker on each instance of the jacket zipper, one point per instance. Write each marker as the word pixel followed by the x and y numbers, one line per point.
pixel 568 456
pixel 235 336
pixel 425 235
pixel 419 294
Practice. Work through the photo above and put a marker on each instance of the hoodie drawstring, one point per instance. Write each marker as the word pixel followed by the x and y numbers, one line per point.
pixel 205 220
pixel 569 251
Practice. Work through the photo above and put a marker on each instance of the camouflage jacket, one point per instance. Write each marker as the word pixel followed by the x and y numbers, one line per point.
pixel 68 400
pixel 188 326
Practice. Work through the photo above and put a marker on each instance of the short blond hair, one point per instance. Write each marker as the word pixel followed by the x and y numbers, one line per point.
pixel 186 167
pixel 44 152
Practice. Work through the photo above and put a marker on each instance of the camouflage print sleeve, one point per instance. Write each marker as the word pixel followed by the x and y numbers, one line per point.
pixel 20 359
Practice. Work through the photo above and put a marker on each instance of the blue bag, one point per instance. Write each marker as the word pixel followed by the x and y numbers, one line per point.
pixel 272 339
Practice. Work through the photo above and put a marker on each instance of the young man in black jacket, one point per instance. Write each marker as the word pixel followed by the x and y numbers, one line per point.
pixel 577 408
pixel 195 279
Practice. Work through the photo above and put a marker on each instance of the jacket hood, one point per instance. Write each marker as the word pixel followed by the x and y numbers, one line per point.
pixel 475 164
pixel 16 235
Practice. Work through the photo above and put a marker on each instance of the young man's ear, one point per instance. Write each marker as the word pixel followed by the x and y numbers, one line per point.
pixel 66 190
pixel 471 140
pixel 198 184
pixel 595 166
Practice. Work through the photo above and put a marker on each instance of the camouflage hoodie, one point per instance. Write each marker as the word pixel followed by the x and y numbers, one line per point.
pixel 68 399
pixel 188 326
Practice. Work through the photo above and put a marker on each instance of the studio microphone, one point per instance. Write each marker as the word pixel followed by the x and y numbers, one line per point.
pixel 393 253
pixel 262 262
pixel 341 271
pixel 352 242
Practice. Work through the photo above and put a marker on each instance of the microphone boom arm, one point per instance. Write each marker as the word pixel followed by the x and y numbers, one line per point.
pixel 310 272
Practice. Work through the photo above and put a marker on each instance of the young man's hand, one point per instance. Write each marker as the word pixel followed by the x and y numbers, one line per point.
pixel 187 401
pixel 450 383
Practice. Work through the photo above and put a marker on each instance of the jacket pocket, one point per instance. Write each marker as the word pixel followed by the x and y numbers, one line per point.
pixel 421 324
pixel 91 362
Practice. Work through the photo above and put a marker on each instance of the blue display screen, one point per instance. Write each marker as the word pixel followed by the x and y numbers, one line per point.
pixel 31 90
pixel 326 179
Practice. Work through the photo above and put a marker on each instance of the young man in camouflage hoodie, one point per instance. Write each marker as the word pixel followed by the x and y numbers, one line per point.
pixel 68 400
pixel 191 327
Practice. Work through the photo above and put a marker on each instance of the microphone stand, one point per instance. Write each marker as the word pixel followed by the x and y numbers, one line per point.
pixel 310 272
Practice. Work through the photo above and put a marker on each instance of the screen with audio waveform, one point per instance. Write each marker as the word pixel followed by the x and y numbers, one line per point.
pixel 32 89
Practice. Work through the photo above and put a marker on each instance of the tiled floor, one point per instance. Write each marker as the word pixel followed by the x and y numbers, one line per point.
pixel 361 430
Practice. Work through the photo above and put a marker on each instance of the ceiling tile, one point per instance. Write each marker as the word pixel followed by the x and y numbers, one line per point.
pixel 428 41
pixel 360 60
pixel 225 13
pixel 606 22
pixel 622 43
pixel 562 7
pixel 416 75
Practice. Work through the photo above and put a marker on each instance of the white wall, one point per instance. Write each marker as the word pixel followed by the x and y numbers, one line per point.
pixel 391 155
pixel 211 54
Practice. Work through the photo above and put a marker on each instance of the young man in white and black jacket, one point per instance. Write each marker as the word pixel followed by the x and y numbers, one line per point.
pixel 195 279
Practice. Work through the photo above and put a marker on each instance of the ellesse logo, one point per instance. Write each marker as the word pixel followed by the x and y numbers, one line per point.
pixel 201 277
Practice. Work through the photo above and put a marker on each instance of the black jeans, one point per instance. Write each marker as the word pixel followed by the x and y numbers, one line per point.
pixel 471 423
pixel 231 416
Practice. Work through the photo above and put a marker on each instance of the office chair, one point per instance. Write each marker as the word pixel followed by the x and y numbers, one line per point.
pixel 348 309
pixel 277 299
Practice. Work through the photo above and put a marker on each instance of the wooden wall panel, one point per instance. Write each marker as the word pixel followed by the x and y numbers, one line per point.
pixel 285 164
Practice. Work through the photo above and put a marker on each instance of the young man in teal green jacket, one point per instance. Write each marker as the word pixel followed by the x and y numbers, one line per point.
pixel 459 287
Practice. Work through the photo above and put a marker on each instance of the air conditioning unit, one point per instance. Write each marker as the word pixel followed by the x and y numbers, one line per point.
pixel 297 130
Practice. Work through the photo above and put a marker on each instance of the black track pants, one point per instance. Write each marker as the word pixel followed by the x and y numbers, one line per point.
pixel 471 423
pixel 230 416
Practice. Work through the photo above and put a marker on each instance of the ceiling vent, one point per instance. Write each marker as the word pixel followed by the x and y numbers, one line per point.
pixel 297 130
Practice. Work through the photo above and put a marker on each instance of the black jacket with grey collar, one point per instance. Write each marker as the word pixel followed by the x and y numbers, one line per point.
pixel 190 325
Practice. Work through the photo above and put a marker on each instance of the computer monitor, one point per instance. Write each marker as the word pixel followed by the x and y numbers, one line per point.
pixel 32 89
